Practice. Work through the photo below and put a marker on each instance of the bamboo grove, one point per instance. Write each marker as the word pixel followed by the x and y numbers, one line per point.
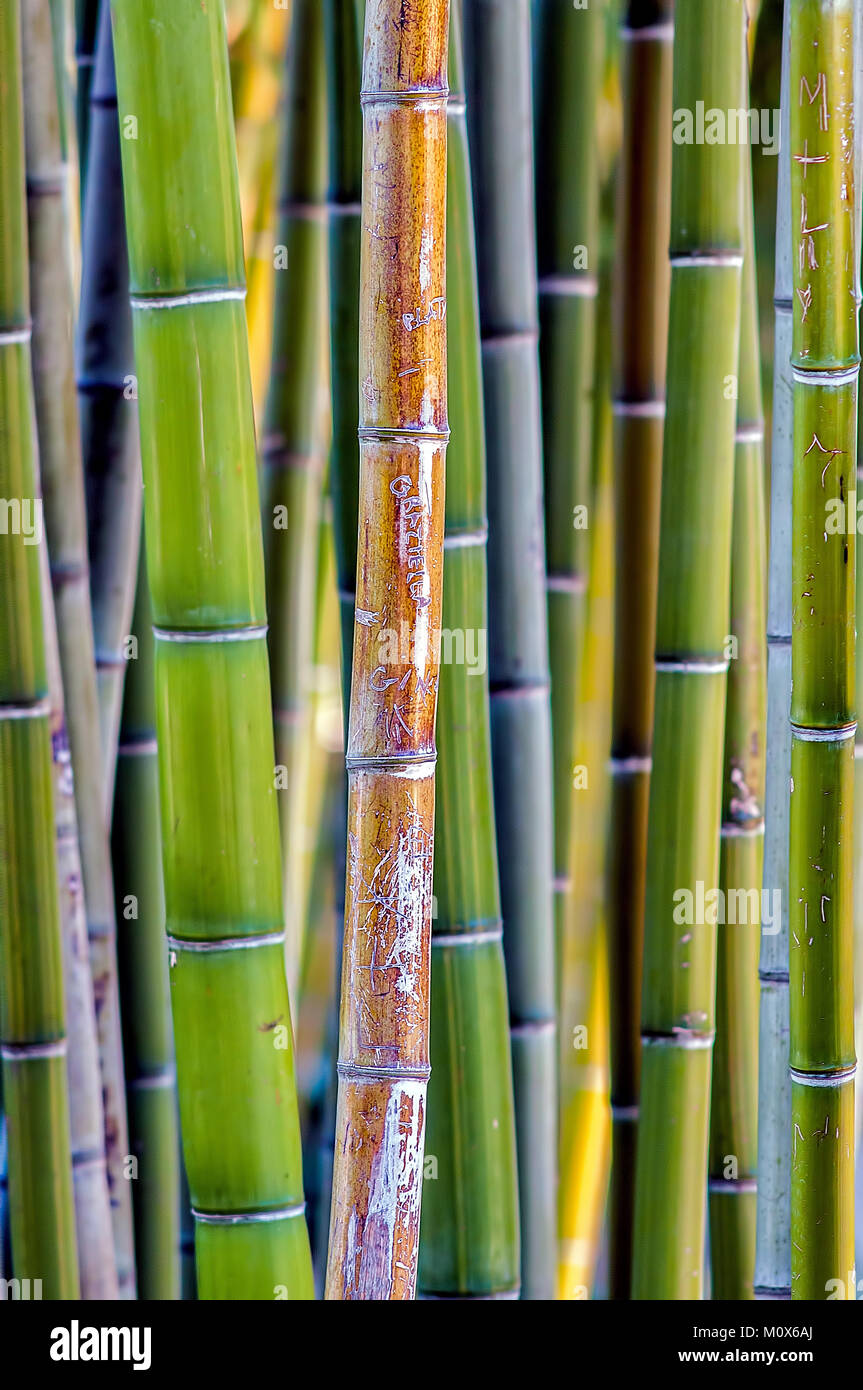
pixel 428 720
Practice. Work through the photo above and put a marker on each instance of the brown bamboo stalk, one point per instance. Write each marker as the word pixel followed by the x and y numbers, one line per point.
pixel 383 1053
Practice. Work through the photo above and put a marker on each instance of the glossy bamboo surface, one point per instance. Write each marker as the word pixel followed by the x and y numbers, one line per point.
pixel 383 1043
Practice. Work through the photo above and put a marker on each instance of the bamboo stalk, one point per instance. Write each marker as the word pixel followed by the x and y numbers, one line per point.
pixel 383 1051
pixel 148 1042
pixel 497 66
pixel 97 1273
pixel 470 1230
pixel 62 481
pixel 293 444
pixel 343 20
pixel 569 47
pixel 585 1117
pixel 219 819
pixel 641 329
pixel 86 30
pixel 732 1163
pixel 773 1222
pixel 32 1013
pixel 825 367
pixel 107 406
pixel 692 625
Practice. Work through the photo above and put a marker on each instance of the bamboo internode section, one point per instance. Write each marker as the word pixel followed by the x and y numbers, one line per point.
pixel 383 1048
pixel 205 562
pixel 678 997
pixel 825 363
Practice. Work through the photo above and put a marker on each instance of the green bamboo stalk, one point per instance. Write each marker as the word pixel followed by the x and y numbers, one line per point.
pixel 220 835
pixel 569 46
pixel 640 340
pixel 773 1224
pixel 470 1232
pixel 107 405
pixel 293 445
pixel 732 1163
pixel 32 1021
pixel 96 1269
pixel 691 663
pixel 497 65
pixel 825 362
pixel 343 22
pixel 383 1041
pixel 149 1046
pixel 62 481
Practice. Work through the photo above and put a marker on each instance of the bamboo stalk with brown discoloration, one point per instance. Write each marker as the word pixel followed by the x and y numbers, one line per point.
pixel 383 1053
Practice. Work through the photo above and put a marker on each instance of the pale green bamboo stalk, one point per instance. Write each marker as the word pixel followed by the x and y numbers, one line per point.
pixel 641 331
pixel 32 1013
pixel 734 1095
pixel 773 1223
pixel 219 818
pixel 691 663
pixel 96 1269
pixel 825 367
pixel 293 443
pixel 63 487
pixel 499 111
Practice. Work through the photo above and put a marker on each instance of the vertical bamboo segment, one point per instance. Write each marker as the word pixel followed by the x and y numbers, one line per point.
pixel 148 1041
pixel 691 663
pixel 106 404
pixel 773 1224
pixel 734 1093
pixel 640 334
pixel 219 820
pixel 63 485
pixel 497 68
pixel 293 443
pixel 86 31
pixel 97 1273
pixel 32 1014
pixel 470 1230
pixel 343 22
pixel 383 1051
pixel 825 366
pixel 569 46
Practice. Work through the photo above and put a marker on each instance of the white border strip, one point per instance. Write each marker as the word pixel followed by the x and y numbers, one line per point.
pixel 820 1080
pixel 23 1052
pixel 477 938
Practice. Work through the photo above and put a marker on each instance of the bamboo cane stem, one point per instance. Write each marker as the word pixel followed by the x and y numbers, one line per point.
pixel 498 81
pixel 96 1269
pixel 470 1230
pixel 106 404
pixel 734 1100
pixel 293 445
pixel 678 997
pixel 63 485
pixel 219 819
pixel 32 1011
pixel 383 1053
pixel 825 368
pixel 641 328
pixel 343 32
pixel 148 1042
